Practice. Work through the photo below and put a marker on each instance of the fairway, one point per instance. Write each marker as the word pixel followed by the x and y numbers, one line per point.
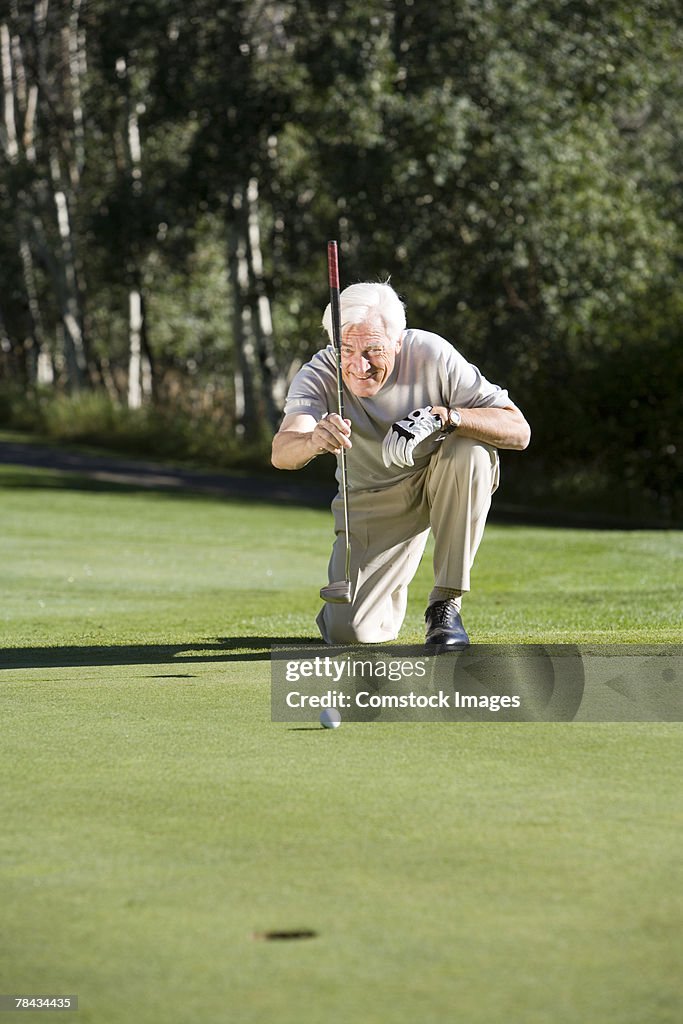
pixel 156 822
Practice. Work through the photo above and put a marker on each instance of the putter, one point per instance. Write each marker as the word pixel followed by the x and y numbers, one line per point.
pixel 339 591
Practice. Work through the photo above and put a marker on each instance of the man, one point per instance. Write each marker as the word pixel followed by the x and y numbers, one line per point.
pixel 422 431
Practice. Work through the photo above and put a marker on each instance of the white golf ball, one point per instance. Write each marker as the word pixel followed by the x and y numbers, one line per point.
pixel 330 718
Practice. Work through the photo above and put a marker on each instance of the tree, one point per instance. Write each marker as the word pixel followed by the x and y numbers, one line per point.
pixel 514 166
pixel 43 142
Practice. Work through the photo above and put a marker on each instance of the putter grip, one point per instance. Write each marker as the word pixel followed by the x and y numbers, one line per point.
pixel 333 264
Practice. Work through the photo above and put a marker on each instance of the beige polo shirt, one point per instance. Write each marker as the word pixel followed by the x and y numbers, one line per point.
pixel 428 371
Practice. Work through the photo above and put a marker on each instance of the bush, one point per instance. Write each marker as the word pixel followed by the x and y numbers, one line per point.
pixel 168 431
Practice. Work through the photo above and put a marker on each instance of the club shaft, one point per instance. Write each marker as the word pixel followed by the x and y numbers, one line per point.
pixel 335 307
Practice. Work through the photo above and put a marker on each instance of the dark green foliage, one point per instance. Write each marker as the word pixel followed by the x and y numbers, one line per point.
pixel 515 167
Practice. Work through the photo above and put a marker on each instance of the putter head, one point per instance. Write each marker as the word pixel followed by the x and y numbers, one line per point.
pixel 337 593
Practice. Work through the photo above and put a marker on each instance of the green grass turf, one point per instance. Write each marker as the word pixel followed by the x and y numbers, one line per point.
pixel 154 818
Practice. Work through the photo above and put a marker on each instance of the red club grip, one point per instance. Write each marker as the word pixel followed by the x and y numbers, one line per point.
pixel 333 264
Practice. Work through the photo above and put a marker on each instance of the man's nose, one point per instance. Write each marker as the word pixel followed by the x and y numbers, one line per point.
pixel 359 363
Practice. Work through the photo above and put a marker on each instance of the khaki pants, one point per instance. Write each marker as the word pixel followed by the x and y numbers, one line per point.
pixel 389 529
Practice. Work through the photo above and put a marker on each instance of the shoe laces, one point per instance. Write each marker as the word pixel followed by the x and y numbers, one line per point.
pixel 441 613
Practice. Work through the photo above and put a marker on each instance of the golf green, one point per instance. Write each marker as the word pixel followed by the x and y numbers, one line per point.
pixel 157 825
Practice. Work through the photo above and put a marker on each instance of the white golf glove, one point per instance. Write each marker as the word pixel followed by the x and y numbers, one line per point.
pixel 403 437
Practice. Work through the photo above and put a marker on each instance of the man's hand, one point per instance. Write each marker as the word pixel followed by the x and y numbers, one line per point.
pixel 301 437
pixel 403 437
pixel 331 434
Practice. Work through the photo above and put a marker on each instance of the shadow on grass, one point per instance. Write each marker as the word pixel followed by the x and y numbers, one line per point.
pixel 221 649
pixel 40 467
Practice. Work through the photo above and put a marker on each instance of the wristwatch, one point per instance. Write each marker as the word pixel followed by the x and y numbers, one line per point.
pixel 452 421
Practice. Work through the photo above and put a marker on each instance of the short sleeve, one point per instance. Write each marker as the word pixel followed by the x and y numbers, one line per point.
pixel 467 387
pixel 313 389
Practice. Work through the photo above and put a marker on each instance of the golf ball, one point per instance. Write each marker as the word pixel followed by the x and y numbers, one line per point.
pixel 330 718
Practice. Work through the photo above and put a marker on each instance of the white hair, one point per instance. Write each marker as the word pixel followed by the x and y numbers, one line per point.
pixel 367 301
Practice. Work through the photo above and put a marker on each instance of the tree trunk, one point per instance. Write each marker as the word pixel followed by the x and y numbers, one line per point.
pixel 15 97
pixel 272 381
pixel 247 411
pixel 146 358
pixel 141 366
pixel 68 285
pixel 37 340
pixel 134 364
pixel 8 91
pixel 56 62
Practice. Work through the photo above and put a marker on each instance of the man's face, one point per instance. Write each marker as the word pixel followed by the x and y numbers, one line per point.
pixel 367 357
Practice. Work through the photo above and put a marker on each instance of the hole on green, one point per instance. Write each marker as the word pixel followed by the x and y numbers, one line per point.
pixel 283 936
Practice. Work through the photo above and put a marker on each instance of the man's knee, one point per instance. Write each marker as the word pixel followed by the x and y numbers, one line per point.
pixel 466 452
pixel 471 462
pixel 339 624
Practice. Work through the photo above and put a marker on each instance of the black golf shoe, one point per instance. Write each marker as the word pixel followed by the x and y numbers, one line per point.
pixel 444 626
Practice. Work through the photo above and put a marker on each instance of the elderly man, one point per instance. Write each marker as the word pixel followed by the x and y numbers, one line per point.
pixel 421 430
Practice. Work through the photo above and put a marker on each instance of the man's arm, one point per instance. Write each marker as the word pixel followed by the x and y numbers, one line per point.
pixel 301 437
pixel 503 427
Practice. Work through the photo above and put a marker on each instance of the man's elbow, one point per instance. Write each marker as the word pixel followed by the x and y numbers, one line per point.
pixel 276 455
pixel 278 462
pixel 283 455
pixel 520 432
pixel 524 436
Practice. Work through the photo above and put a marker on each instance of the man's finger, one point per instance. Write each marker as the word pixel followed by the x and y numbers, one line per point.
pixel 335 420
pixel 338 439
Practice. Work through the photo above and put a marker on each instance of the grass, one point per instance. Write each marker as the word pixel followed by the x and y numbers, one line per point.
pixel 99 565
pixel 155 819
